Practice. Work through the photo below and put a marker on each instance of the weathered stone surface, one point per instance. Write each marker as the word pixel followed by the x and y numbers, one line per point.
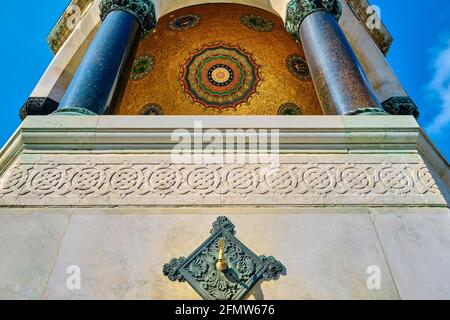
pixel 29 245
pixel 326 255
pixel 121 256
pixel 417 245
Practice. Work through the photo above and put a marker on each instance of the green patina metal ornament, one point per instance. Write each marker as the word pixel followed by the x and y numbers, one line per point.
pixel 74 111
pixel 368 112
pixel 298 10
pixel 143 10
pixel 223 268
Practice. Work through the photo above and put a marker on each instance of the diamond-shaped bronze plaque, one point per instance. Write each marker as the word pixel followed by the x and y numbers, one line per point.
pixel 223 268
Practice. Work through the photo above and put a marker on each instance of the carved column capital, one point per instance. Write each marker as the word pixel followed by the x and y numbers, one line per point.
pixel 401 106
pixel 38 106
pixel 143 10
pixel 298 10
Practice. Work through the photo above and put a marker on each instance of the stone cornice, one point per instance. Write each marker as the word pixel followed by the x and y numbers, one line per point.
pixel 142 132
pixel 297 134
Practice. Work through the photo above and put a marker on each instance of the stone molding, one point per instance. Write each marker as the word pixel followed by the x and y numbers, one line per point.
pixel 325 160
pixel 143 10
pixel 298 10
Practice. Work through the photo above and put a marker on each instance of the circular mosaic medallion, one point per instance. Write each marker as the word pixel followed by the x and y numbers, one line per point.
pixel 290 109
pixel 298 67
pixel 220 76
pixel 152 109
pixel 257 23
pixel 185 22
pixel 142 67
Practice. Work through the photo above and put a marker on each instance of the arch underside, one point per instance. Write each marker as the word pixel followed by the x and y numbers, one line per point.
pixel 164 7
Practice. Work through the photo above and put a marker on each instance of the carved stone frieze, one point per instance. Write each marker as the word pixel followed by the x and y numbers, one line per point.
pixel 164 183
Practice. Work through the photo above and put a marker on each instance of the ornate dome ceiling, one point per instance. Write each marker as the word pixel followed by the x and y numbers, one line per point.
pixel 222 59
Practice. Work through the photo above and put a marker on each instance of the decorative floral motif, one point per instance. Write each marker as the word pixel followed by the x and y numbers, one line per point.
pixel 245 269
pixel 298 67
pixel 274 268
pixel 257 23
pixel 289 109
pixel 184 22
pixel 142 67
pixel 198 268
pixel 222 223
pixel 172 269
pixel 220 76
pixel 152 109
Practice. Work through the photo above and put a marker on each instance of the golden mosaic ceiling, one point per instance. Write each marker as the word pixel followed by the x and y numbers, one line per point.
pixel 222 59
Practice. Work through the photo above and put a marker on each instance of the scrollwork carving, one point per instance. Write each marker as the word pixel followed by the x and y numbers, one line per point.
pixel 203 268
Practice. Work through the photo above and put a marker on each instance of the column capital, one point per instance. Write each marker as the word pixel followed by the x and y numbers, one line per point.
pixel 38 106
pixel 401 106
pixel 298 10
pixel 143 10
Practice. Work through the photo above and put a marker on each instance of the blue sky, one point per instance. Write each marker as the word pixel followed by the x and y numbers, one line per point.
pixel 420 56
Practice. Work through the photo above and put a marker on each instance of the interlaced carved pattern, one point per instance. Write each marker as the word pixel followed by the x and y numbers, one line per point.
pixel 128 179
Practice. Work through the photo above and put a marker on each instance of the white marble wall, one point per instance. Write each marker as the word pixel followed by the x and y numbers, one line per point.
pixel 326 251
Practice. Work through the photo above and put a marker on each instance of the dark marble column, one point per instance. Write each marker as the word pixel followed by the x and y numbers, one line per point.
pixel 94 85
pixel 340 82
